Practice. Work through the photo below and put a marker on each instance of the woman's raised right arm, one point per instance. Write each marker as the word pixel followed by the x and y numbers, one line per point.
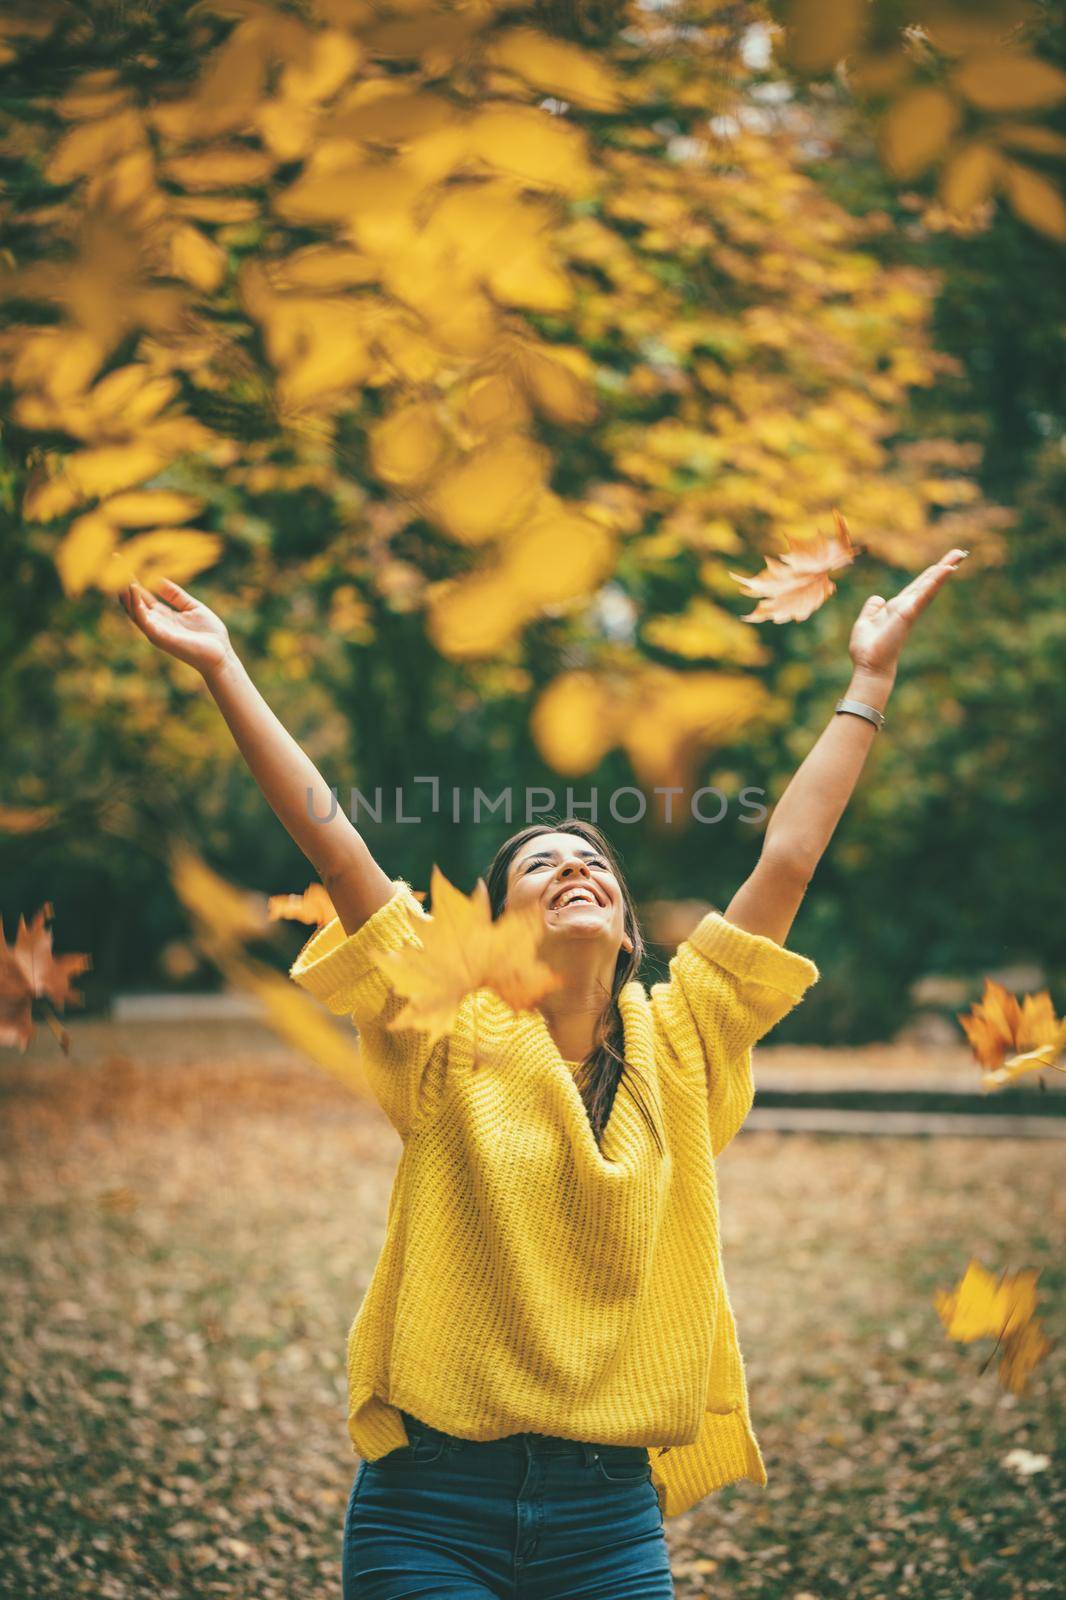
pixel 291 783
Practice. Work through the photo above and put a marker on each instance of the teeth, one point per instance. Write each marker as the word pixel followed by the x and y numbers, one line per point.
pixel 575 894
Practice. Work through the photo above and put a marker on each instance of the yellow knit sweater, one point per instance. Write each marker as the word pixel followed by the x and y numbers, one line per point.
pixel 530 1280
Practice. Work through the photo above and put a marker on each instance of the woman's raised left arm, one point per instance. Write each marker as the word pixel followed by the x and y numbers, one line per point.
pixel 804 818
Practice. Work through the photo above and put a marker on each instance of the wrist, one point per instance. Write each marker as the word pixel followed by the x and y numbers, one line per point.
pixel 225 667
pixel 872 688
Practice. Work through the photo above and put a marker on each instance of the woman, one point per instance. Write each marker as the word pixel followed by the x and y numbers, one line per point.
pixel 545 1364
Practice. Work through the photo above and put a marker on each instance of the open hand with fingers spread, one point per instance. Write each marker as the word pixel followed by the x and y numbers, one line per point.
pixel 175 622
pixel 882 626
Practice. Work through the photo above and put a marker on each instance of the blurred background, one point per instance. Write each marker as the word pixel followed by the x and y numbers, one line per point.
pixel 460 357
pixel 457 357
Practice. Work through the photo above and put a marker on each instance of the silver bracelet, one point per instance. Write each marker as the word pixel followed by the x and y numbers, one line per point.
pixel 860 709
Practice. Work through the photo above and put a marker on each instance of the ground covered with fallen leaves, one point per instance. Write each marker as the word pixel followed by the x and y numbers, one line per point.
pixel 192 1216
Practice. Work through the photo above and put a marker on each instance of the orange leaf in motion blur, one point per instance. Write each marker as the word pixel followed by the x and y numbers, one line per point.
pixel 463 949
pixel 29 969
pixel 1010 1038
pixel 794 585
pixel 313 906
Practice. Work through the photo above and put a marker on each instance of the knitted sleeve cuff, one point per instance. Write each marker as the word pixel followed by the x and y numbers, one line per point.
pixel 341 969
pixel 753 956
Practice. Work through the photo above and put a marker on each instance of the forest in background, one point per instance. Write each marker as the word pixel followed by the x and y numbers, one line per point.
pixel 625 297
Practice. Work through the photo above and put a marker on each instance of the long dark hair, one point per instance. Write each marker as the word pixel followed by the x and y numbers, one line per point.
pixel 605 1069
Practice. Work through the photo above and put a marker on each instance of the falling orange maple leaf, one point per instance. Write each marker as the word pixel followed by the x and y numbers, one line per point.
pixel 461 949
pixel 794 585
pixel 982 1306
pixel 29 970
pixel 313 906
pixel 1011 1037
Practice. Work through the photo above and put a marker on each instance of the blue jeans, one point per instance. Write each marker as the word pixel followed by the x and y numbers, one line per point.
pixel 529 1517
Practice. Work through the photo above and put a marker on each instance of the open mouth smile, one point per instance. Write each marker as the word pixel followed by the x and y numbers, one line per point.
pixel 574 894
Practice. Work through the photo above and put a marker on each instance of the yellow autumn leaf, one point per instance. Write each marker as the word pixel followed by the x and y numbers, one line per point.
pixel 325 188
pixel 491 405
pixel 916 129
pixel 433 37
pixel 558 379
pixel 704 630
pixel 324 267
pixel 286 128
pixel 492 490
pixel 387 111
pixel 983 1306
pixel 177 553
pixel 90 473
pixel 473 617
pixel 472 221
pixel 558 68
pixel 489 231
pixel 91 145
pixel 312 906
pixel 220 167
pixel 572 723
pixel 215 207
pixel 84 551
pixel 229 88
pixel 379 215
pixel 298 1018
pixel 175 435
pixel 196 258
pixel 131 396
pixel 463 324
pixel 325 369
pixel 674 715
pixel 320 345
pixel 961 26
pixel 1029 136
pixel 1035 199
pixel 49 494
pixel 406 447
pixel 1003 80
pixel 459 949
pixel 61 361
pixel 150 508
pixel 326 62
pixel 532 145
pixel 92 94
pixel 233 915
pixel 558 555
pixel 127 184
pixel 531 278
pixel 821 32
pixel 106 470
pixel 970 175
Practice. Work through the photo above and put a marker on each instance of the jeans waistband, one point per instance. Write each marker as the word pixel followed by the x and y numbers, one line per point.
pixel 543 1443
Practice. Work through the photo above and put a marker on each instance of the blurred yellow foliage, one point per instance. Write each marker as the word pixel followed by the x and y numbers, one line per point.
pixel 660 717
pixel 956 64
pixel 459 275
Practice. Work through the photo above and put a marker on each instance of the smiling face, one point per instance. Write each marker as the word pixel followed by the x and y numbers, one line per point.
pixel 574 887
